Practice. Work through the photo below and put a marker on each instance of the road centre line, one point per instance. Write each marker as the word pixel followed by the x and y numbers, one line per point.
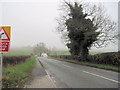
pixel 101 77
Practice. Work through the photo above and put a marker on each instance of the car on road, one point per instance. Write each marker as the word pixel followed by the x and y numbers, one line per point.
pixel 44 55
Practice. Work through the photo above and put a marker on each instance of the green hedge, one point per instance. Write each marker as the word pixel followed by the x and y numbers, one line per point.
pixel 109 58
pixel 13 60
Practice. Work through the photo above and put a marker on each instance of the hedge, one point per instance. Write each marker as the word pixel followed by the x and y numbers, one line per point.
pixel 109 58
pixel 13 60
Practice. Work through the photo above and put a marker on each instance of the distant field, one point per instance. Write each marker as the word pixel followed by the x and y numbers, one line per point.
pixel 28 52
pixel 67 53
pixel 60 53
pixel 93 53
pixel 18 53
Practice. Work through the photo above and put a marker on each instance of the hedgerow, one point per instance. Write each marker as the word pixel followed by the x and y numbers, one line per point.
pixel 14 60
pixel 109 58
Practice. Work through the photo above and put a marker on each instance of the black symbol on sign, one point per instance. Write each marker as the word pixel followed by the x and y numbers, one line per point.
pixel 1 34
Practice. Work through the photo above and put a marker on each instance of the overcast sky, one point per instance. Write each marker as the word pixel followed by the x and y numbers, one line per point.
pixel 34 21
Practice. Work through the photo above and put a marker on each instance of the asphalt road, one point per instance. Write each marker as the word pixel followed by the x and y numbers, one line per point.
pixel 77 76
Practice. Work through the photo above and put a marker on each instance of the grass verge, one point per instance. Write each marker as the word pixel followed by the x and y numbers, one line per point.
pixel 101 66
pixel 15 76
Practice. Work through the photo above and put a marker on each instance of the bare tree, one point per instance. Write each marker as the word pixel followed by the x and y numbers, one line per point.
pixel 104 24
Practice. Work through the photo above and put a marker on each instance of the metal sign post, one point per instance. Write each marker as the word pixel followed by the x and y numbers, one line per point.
pixel 1 57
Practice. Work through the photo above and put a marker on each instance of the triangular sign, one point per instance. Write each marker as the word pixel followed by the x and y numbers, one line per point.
pixel 3 34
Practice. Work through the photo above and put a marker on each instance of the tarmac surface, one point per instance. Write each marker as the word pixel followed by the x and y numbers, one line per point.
pixel 69 75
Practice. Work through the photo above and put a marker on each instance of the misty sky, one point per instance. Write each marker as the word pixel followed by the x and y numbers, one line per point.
pixel 34 22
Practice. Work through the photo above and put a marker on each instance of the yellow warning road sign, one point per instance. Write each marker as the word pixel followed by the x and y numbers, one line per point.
pixel 5 39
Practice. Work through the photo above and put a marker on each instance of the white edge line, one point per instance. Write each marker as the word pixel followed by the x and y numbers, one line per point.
pixel 50 79
pixel 102 77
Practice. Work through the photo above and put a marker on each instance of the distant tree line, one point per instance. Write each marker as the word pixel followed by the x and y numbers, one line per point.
pixel 40 48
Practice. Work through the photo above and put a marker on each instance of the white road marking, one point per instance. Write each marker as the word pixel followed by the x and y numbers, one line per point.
pixel 67 66
pixel 52 80
pixel 102 77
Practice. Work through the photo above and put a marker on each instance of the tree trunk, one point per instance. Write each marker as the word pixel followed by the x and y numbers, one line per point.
pixel 84 54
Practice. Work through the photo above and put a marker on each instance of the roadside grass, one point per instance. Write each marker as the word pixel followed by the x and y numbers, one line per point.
pixel 101 66
pixel 18 53
pixel 68 53
pixel 16 76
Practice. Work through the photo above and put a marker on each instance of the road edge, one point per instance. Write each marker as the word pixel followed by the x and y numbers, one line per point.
pixel 47 73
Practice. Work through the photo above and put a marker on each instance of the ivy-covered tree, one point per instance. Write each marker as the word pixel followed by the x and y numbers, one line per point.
pixel 85 26
pixel 81 31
